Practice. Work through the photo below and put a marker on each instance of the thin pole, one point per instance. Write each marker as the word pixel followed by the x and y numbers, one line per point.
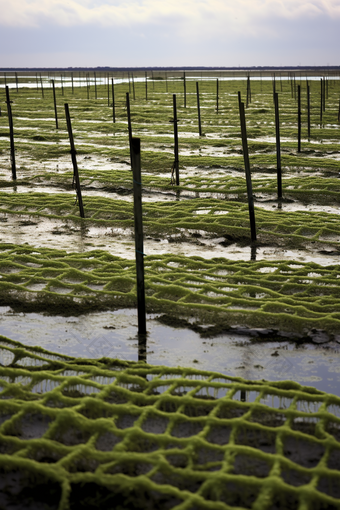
pixel 72 83
pixel 299 118
pixel 133 87
pixel 108 90
pixel 308 109
pixel 321 101
pixel 185 90
pixel 113 101
pixel 146 86
pixel 76 180
pixel 42 88
pixel 176 163
pixel 16 81
pixel 247 169
pixel 129 122
pixel 55 106
pixel 198 110
pixel 137 200
pixel 11 133
pixel 62 84
pixel 95 85
pixel 217 95
pixel 278 148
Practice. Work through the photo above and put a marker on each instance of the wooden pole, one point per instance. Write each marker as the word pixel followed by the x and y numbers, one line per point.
pixel 299 118
pixel 339 112
pixel 247 169
pixel 17 81
pixel 108 90
pixel 198 110
pixel 36 79
pixel 137 200
pixel 129 123
pixel 88 86
pixel 11 133
pixel 62 84
pixel 133 88
pixel 274 88
pixel 308 109
pixel 166 82
pixel 176 163
pixel 72 83
pixel 278 147
pixel 95 85
pixel 113 101
pixel 321 101
pixel 55 106
pixel 185 90
pixel 42 87
pixel 217 95
pixel 248 87
pixel 146 86
pixel 76 180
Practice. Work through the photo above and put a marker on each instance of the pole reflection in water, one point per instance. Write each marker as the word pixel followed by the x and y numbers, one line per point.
pixel 253 252
pixel 142 348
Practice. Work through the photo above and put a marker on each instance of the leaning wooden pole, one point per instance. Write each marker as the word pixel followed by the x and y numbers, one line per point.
pixel 139 244
pixel 247 169
pixel 55 106
pixel 129 123
pixel 299 118
pixel 198 110
pixel 76 180
pixel 175 167
pixel 278 147
pixel 113 101
pixel 11 134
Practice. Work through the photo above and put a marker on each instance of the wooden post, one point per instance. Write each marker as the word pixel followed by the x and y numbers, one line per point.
pixel 308 109
pixel 55 106
pixel 274 88
pixel 248 87
pixel 139 244
pixel 133 88
pixel 88 86
pixel 299 118
pixel 108 90
pixel 247 169
pixel 95 85
pixel 185 90
pixel 278 148
pixel 76 181
pixel 72 83
pixel 62 84
pixel 339 112
pixel 129 123
pixel 17 81
pixel 324 95
pixel 217 95
pixel 321 101
pixel 113 101
pixel 198 110
pixel 146 85
pixel 36 79
pixel 42 88
pixel 176 162
pixel 166 82
pixel 11 133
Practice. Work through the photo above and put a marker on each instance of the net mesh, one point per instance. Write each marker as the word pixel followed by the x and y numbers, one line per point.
pixel 118 434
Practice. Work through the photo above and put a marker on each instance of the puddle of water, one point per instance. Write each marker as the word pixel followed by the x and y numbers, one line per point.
pixel 114 334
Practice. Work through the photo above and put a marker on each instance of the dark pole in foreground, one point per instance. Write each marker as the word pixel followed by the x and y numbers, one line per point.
pixel 247 169
pixel 55 106
pixel 74 162
pixel 176 162
pixel 11 133
pixel 278 148
pixel 137 199
pixel 299 118
pixel 198 110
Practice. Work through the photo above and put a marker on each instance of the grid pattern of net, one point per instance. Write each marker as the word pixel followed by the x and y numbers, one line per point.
pixel 281 295
pixel 160 437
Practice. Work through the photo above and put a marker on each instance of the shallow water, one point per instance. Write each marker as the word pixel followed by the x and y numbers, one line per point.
pixel 114 334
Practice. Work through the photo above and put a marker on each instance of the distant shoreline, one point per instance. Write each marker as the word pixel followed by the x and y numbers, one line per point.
pixel 184 68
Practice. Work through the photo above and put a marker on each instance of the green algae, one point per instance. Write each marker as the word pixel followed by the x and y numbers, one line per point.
pixel 283 296
pixel 159 437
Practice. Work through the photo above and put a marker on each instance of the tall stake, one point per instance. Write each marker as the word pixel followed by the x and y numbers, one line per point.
pixel 133 88
pixel 146 86
pixel 217 95
pixel 129 123
pixel 55 106
pixel 11 133
pixel 321 101
pixel 185 90
pixel 308 109
pixel 95 85
pixel 137 200
pixel 42 88
pixel 76 180
pixel 113 101
pixel 247 169
pixel 198 110
pixel 175 167
pixel 278 148
pixel 299 118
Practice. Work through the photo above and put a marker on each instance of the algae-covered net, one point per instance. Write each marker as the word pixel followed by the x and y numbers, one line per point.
pixel 79 433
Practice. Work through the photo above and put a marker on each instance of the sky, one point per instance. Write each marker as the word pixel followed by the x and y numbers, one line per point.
pixel 124 33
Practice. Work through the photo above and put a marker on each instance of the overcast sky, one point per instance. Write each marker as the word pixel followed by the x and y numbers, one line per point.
pixel 90 33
